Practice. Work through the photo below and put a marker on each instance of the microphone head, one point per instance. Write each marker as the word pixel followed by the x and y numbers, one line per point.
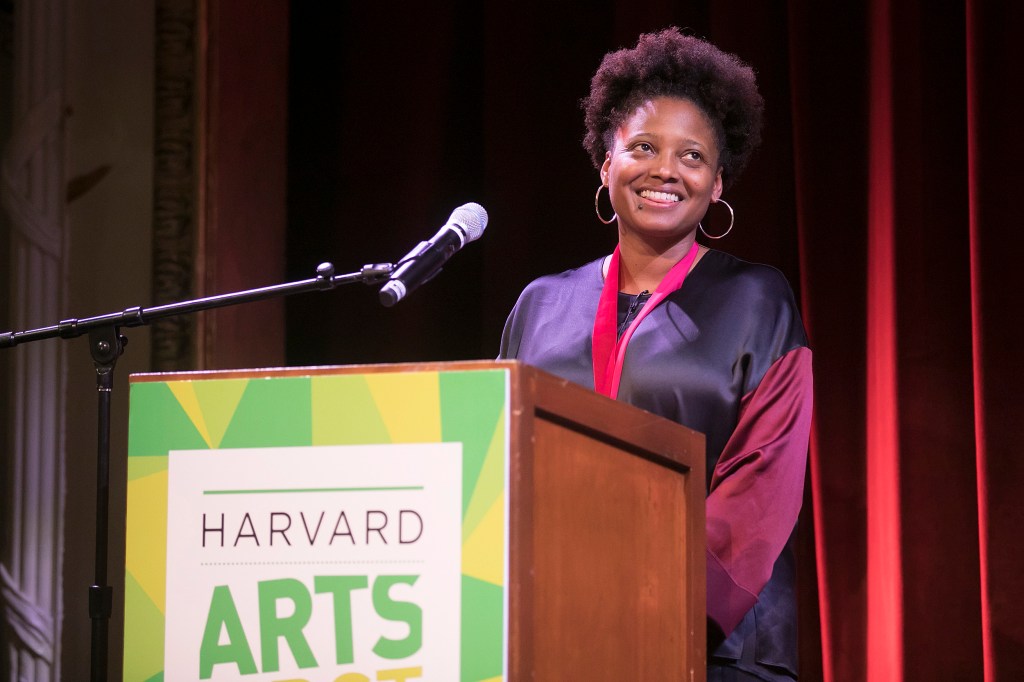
pixel 471 218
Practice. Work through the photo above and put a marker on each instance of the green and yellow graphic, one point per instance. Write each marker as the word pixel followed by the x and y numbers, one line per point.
pixel 467 407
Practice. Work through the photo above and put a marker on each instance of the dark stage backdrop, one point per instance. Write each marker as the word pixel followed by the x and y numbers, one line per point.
pixel 397 117
pixel 885 191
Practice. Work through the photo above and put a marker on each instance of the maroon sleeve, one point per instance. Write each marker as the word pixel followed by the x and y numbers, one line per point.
pixel 757 488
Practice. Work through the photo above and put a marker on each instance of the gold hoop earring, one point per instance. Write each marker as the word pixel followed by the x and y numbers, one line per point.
pixel 732 221
pixel 597 210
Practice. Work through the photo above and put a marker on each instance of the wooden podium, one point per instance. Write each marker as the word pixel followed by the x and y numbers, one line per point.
pixel 607 562
pixel 605 524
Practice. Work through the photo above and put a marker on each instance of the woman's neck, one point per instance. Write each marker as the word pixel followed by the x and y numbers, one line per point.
pixel 642 265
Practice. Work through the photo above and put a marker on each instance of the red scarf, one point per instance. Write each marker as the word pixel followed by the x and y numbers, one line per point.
pixel 610 352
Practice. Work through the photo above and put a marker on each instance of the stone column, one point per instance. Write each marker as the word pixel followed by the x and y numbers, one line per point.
pixel 32 186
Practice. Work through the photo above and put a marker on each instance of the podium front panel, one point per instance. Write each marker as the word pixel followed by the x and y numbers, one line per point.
pixel 608 543
pixel 290 525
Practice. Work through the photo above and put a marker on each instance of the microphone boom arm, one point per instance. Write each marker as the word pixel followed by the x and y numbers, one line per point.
pixel 325 280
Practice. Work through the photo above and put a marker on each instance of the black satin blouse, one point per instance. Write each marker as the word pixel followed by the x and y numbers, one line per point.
pixel 699 359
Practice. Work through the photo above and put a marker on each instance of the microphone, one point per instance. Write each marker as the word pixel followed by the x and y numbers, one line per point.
pixel 465 225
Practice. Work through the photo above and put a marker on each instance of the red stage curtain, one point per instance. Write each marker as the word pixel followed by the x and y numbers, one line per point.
pixel 995 55
pixel 885 190
pixel 908 237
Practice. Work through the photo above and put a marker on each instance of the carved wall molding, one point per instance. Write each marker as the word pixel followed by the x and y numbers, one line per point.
pixel 175 181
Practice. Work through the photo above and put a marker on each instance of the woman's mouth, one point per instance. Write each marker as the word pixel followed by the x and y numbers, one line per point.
pixel 659 196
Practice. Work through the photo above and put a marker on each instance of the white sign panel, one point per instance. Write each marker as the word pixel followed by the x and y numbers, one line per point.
pixel 310 563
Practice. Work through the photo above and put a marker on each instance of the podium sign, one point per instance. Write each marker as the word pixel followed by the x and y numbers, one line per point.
pixel 316 525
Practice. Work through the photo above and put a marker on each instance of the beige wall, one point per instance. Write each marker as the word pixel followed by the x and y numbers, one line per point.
pixel 110 95
pixel 108 86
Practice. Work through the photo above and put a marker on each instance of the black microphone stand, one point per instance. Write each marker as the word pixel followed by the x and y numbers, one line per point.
pixel 106 344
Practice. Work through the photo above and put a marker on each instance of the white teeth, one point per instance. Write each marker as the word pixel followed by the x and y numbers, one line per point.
pixel 658 196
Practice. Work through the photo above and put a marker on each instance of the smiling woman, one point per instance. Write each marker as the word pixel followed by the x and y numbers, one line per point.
pixel 662 172
pixel 692 334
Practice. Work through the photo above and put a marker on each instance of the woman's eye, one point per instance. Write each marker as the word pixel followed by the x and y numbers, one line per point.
pixel 693 156
pixel 643 147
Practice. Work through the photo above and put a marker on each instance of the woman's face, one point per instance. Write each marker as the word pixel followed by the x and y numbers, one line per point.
pixel 662 171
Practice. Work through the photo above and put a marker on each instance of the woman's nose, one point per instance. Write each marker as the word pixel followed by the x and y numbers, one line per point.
pixel 663 167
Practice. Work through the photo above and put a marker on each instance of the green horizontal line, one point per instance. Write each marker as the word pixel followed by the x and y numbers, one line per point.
pixel 309 490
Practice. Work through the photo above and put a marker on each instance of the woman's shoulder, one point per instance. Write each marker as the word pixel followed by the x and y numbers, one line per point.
pixel 552 303
pixel 587 274
pixel 725 272
pixel 752 296
pixel 730 267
